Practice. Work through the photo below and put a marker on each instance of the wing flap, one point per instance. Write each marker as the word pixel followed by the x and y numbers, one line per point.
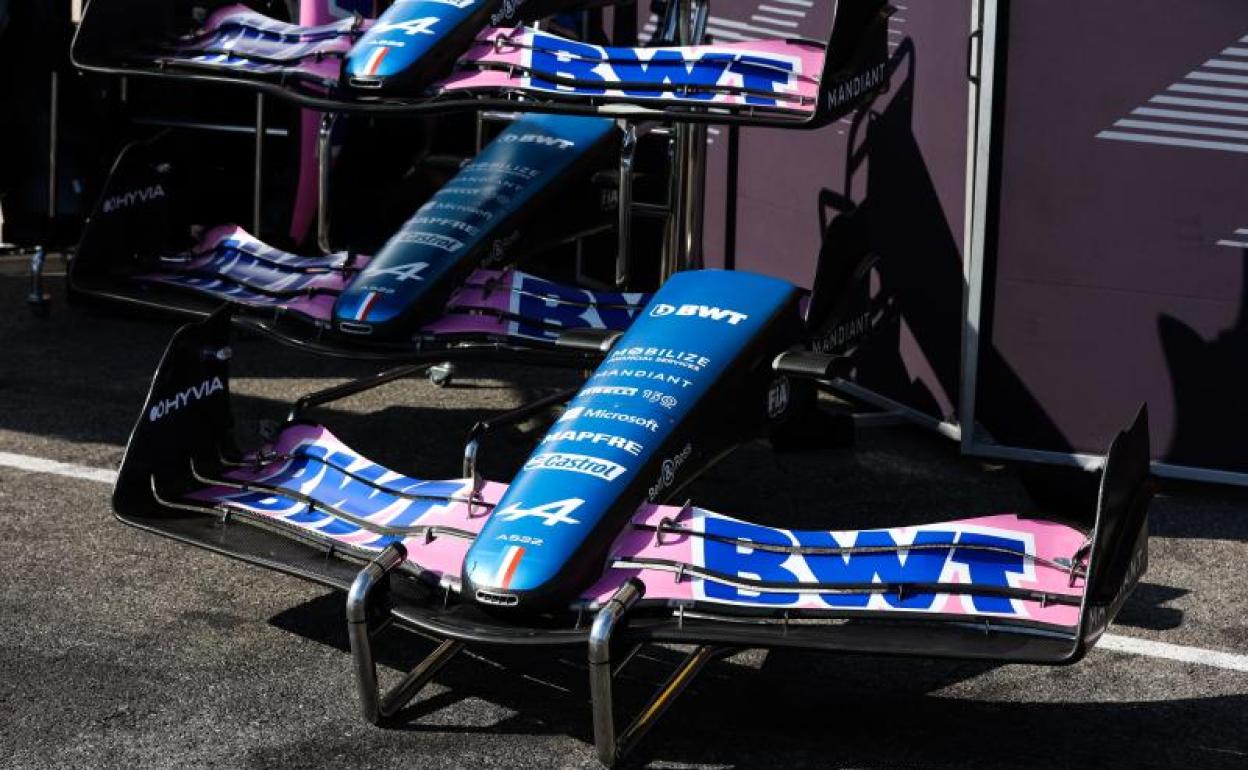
pixel 1001 567
pixel 309 482
pixel 351 66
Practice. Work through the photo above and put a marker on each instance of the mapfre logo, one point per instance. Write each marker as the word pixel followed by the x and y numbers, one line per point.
pixel 732 317
pixel 132 198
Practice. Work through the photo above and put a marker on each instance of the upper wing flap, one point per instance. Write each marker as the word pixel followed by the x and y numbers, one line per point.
pixel 999 566
pixel 311 481
pixel 770 75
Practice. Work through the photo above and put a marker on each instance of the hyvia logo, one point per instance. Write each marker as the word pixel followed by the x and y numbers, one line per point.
pixel 134 197
pixel 732 317
pixel 180 400
pixel 550 513
pixel 541 139
pixel 574 463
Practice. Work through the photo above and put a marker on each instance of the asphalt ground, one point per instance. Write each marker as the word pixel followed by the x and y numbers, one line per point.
pixel 122 649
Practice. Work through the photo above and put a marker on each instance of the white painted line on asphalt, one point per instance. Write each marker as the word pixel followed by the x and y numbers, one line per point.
pixel 43 465
pixel 1177 652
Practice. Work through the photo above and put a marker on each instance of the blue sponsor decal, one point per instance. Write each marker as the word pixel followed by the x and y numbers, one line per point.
pixel 546 308
pixel 619 423
pixel 457 226
pixel 313 472
pixel 641 73
pixel 986 568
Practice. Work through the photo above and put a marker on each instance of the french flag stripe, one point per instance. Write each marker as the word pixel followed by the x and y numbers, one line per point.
pixel 366 306
pixel 507 568
pixel 374 59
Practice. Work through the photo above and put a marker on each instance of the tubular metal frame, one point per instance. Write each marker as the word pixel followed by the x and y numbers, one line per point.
pixel 364 604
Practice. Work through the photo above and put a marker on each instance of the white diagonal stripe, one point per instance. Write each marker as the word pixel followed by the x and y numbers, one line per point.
pixel 1211 90
pixel 1207 103
pixel 793 12
pixel 1207 117
pixel 1172 141
pixel 1151 649
pixel 1182 128
pixel 1218 77
pixel 1223 64
pixel 773 22
pixel 44 465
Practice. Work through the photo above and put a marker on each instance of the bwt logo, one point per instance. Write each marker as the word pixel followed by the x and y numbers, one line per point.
pixel 542 139
pixel 698 311
pixel 580 68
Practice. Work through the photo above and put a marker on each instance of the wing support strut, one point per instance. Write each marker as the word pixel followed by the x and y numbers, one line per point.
pixel 375 706
pixel 611 749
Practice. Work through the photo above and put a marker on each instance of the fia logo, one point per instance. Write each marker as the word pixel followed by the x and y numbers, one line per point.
pixel 550 513
pixel 778 397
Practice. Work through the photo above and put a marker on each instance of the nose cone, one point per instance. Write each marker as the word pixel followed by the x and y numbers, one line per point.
pixel 372 307
pixel 412 43
pixel 624 439
pixel 520 559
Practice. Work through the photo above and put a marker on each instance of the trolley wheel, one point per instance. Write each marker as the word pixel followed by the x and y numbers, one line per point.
pixel 442 374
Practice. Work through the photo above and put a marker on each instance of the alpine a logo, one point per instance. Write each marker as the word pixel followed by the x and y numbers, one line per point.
pixel 182 399
pixel 422 26
pixel 540 139
pixel 404 272
pixel 550 513
pixel 589 466
pixel 132 198
pixel 731 317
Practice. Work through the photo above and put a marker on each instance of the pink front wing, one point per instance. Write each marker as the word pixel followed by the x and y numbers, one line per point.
pixel 1048 541
pixel 525 59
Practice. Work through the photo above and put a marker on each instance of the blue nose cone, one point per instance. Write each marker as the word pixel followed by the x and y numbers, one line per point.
pixel 621 441
pixel 413 43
